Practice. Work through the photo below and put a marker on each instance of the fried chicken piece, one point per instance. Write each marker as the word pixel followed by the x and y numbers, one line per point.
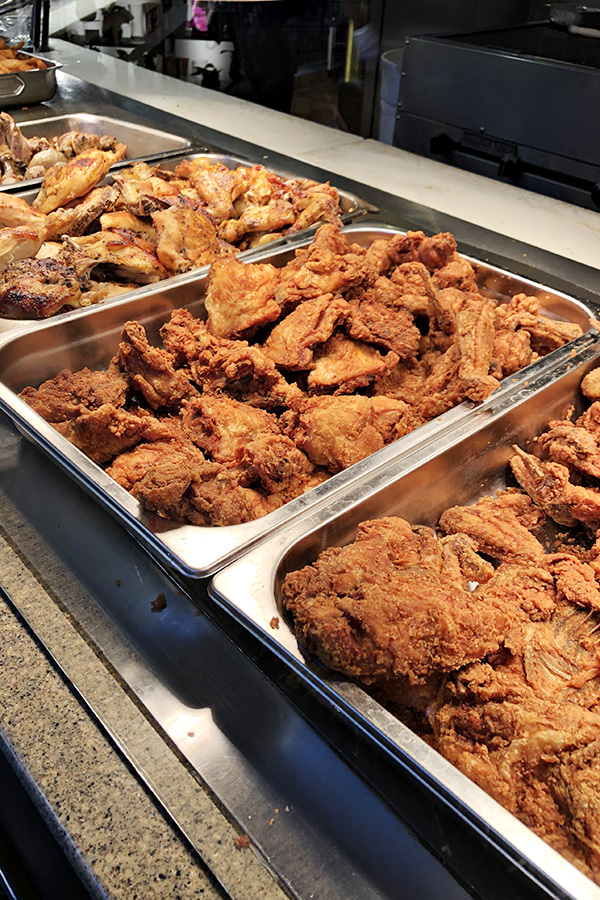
pixel 174 480
pixel 105 432
pixel 187 338
pixel 416 288
pixel 346 364
pixel 15 212
pixel 511 352
pixel 291 343
pixel 38 288
pixel 496 530
pixel 337 432
pixel 380 611
pixel 75 219
pixel 375 319
pixel 242 371
pixel 187 238
pixel 223 427
pixel 328 266
pixel 575 580
pixel 280 467
pixel 549 487
pixel 69 394
pixel 122 220
pixel 434 252
pixel 475 340
pixel 456 273
pixel 240 297
pixel 127 255
pixel 572 446
pixel 76 178
pixel 462 562
pixel 538 758
pixel 526 590
pixel 523 312
pixel 590 386
pixel 149 369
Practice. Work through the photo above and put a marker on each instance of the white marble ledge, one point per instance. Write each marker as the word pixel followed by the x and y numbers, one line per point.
pixel 276 131
pixel 549 224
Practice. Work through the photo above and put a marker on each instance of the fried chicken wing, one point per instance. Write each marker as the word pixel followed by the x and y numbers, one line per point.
pixel 549 487
pixel 149 369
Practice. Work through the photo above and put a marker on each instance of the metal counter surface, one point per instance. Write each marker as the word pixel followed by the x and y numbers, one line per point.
pixel 235 716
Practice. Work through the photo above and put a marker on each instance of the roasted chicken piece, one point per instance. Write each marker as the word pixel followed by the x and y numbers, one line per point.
pixel 273 216
pixel 76 178
pixel 142 192
pixel 121 220
pixel 216 185
pixel 22 242
pixel 187 238
pixel 127 255
pixel 77 217
pixel 14 212
pixel 38 288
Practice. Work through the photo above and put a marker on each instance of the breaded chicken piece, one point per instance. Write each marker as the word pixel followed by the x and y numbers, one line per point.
pixel 69 394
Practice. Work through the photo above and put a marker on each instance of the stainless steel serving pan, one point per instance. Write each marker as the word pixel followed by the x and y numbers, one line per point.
pixel 351 206
pixel 30 86
pixel 90 338
pixel 142 141
pixel 457 467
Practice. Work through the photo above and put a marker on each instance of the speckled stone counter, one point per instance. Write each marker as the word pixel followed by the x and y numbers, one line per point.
pixel 114 833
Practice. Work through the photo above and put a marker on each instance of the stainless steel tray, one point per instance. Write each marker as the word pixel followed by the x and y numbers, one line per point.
pixel 90 338
pixel 454 468
pixel 142 141
pixel 29 87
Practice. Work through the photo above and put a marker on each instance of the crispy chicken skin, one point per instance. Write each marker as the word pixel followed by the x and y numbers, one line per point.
pixel 70 393
pixel 240 297
pixel 150 370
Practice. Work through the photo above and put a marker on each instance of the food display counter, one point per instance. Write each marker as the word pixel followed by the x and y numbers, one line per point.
pixel 170 749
